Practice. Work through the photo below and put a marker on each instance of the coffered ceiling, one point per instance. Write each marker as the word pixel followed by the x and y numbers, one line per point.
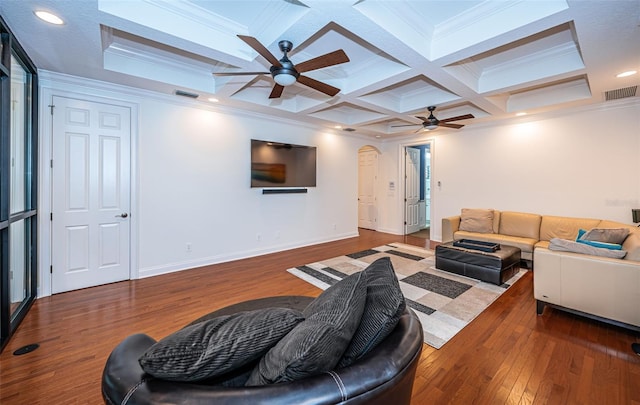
pixel 492 59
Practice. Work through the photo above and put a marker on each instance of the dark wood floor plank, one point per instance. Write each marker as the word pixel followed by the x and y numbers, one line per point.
pixel 507 355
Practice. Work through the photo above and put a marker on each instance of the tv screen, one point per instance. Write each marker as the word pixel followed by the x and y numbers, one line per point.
pixel 277 164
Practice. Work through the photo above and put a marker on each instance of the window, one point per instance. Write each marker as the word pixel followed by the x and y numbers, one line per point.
pixel 18 181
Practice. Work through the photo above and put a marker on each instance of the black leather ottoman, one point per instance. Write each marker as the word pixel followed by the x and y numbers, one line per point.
pixel 493 267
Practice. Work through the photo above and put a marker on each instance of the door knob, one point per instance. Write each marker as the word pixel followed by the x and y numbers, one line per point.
pixel 123 215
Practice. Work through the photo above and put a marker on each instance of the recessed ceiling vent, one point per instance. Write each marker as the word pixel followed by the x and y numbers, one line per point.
pixel 620 93
pixel 186 94
pixel 349 129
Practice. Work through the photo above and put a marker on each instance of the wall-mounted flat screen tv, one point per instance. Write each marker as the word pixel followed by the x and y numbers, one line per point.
pixel 277 164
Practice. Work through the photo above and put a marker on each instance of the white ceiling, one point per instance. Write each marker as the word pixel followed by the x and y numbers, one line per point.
pixel 491 58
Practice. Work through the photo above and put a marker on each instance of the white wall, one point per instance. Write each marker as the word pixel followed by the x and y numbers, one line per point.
pixel 192 181
pixel 584 164
pixel 194 172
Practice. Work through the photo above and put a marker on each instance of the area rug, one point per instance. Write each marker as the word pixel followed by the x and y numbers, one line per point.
pixel 444 302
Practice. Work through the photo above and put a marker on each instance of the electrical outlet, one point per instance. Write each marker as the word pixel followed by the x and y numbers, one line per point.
pixel 335 227
pixel 258 237
pixel 188 247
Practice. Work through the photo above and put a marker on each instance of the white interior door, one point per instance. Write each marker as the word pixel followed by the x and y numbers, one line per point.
pixel 412 190
pixel 367 175
pixel 91 194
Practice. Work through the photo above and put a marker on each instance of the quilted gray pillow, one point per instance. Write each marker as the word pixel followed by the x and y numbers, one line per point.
pixel 617 235
pixel 219 345
pixel 383 308
pixel 317 343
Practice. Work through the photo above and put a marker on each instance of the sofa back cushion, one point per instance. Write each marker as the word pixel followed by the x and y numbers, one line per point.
pixel 632 246
pixel 496 221
pixel 520 224
pixel 564 227
pixel 476 220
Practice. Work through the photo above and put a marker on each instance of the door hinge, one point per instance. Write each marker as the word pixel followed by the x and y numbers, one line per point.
pixel 51 163
pixel 51 269
pixel 51 216
pixel 51 106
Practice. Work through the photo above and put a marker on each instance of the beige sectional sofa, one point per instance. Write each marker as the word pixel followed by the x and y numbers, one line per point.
pixel 588 284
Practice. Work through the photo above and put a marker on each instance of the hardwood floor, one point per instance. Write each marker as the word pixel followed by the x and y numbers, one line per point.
pixel 508 355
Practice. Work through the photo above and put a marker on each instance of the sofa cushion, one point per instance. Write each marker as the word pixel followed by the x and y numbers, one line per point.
pixel 605 235
pixel 219 345
pixel 316 344
pixel 476 220
pixel 520 224
pixel 564 227
pixel 496 221
pixel 564 245
pixel 632 245
pixel 383 308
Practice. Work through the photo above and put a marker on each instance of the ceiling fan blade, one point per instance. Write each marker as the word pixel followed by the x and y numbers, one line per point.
pixel 241 73
pixel 329 59
pixel 459 117
pixel 455 126
pixel 422 118
pixel 277 91
pixel 314 84
pixel 258 47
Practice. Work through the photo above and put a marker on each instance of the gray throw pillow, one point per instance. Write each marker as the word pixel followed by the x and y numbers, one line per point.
pixel 219 345
pixel 616 236
pixel 316 344
pixel 383 308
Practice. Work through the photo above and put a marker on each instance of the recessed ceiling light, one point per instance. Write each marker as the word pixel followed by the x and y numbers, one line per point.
pixel 520 114
pixel 627 73
pixel 49 17
pixel 338 127
pixel 378 136
pixel 213 99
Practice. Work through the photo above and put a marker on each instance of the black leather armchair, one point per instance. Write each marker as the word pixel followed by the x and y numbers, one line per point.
pixel 383 376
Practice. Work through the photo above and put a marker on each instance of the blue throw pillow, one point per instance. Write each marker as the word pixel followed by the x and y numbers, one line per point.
pixel 612 246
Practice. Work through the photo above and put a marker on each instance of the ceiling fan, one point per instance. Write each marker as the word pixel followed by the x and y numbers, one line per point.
pixel 285 73
pixel 431 122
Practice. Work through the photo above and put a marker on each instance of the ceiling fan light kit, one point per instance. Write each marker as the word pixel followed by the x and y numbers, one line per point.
pixel 284 79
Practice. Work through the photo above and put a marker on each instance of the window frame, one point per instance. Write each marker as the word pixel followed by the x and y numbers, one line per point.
pixel 9 320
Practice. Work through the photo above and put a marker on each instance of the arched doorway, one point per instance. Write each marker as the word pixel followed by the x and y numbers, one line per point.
pixel 367 182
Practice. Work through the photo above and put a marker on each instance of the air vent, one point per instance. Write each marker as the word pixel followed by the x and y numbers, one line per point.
pixel 186 94
pixel 620 93
pixel 349 129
